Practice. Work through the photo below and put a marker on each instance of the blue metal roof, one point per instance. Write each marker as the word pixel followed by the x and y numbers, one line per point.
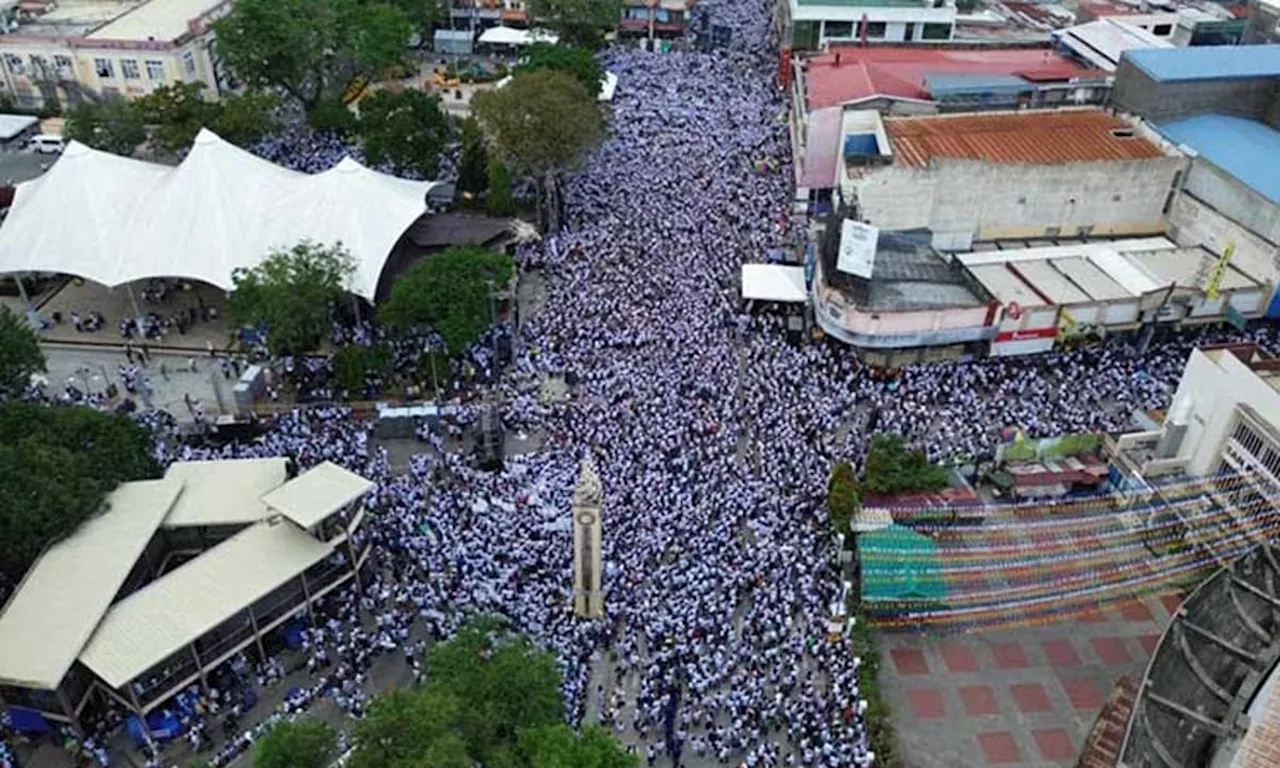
pixel 940 84
pixel 1248 150
pixel 1210 62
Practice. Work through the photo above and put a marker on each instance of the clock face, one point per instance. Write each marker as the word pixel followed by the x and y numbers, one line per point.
pixel 586 518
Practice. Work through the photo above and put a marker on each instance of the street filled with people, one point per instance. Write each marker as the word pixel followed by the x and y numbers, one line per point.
pixel 712 434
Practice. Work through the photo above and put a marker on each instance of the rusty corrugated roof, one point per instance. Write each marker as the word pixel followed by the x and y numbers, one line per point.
pixel 1042 138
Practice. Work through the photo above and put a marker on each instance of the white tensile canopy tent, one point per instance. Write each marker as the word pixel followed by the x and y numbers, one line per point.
pixel 114 220
pixel 511 36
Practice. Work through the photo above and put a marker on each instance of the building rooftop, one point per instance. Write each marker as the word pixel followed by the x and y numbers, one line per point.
pixel 73 18
pixel 1052 283
pixel 900 72
pixel 316 494
pixel 224 492
pixel 1209 62
pixel 156 621
pixel 908 275
pixel 1042 137
pixel 1005 285
pixel 1248 150
pixel 159 20
pixel 1102 42
pixel 54 610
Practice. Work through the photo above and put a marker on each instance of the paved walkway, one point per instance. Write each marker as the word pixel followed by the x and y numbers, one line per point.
pixel 1019 697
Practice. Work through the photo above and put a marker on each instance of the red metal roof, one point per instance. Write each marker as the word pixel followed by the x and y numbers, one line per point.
pixel 1039 137
pixel 899 72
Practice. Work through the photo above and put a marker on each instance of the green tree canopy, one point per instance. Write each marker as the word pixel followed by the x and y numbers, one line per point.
pixel 542 121
pixel 843 496
pixel 354 364
pixel 407 129
pixel 424 15
pixel 449 292
pixel 247 117
pixel 581 23
pixel 578 62
pixel 313 50
pixel 472 167
pixel 175 114
pixel 491 699
pixel 20 354
pixel 891 468
pixel 112 126
pixel 56 466
pixel 556 746
pixel 306 742
pixel 290 293
pixel 499 200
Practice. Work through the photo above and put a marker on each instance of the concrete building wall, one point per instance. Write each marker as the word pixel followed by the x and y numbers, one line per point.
pixel 1160 102
pixel 964 200
pixel 1264 23
pixel 1193 223
pixel 1215 389
pixel 1223 192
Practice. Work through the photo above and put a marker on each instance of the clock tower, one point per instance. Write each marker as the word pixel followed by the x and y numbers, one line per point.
pixel 588 585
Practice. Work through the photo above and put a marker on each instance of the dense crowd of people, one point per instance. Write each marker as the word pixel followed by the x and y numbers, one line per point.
pixel 712 436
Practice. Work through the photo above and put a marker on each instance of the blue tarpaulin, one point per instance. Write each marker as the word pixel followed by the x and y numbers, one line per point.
pixel 861 144
pixel 27 721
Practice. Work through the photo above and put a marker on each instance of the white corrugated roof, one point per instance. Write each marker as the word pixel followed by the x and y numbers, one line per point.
pixel 1007 287
pixel 224 492
pixel 55 609
pixel 1131 277
pixel 773 282
pixel 317 493
pixel 159 20
pixel 1091 280
pixel 1051 282
pixel 1063 251
pixel 175 610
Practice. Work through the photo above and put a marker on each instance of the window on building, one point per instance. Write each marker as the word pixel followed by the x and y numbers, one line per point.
pixel 155 70
pixel 839 29
pixel 15 64
pixel 936 32
pixel 804 36
pixel 1162 30
pixel 875 30
pixel 189 63
pixel 129 69
pixel 104 68
pixel 63 66
pixel 39 66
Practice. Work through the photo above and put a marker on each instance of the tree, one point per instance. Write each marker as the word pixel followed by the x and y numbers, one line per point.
pixel 542 122
pixel 312 50
pixel 175 114
pixel 581 23
pixel 355 364
pixel 248 117
pixel 891 468
pixel 556 746
pixel 405 729
pixel 290 293
pixel 491 699
pixel 499 200
pixel 449 292
pixel 20 354
pixel 406 129
pixel 473 165
pixel 113 125
pixel 56 467
pixel 306 742
pixel 843 497
pixel 424 15
pixel 578 62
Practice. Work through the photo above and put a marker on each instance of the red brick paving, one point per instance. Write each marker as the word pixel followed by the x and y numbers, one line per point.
pixel 1111 650
pixel 927 703
pixel 999 747
pixel 1083 694
pixel 1010 656
pixel 1060 653
pixel 1171 602
pixel 1093 616
pixel 910 661
pixel 1054 744
pixel 1136 612
pixel 978 700
pixel 1031 697
pixel 1149 643
pixel 958 658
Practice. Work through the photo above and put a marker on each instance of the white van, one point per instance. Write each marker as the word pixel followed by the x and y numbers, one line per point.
pixel 46 144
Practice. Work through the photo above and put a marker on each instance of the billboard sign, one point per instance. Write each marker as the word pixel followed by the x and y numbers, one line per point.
pixel 857 248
